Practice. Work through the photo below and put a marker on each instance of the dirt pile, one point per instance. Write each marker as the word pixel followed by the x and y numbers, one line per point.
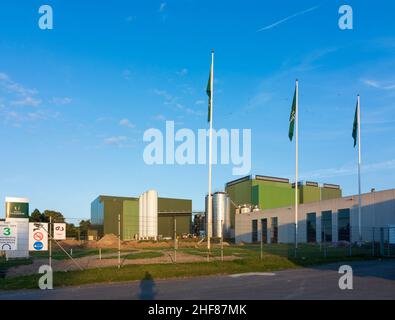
pixel 67 244
pixel 108 241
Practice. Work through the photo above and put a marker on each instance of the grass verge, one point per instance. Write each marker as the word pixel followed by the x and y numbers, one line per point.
pixel 249 263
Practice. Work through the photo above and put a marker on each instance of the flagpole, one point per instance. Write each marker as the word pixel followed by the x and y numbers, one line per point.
pixel 210 203
pixel 296 160
pixel 359 169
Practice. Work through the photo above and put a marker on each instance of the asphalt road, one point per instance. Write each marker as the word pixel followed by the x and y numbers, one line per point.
pixel 371 280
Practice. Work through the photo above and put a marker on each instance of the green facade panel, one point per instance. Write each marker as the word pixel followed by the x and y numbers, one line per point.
pixel 166 224
pixel 309 194
pixel 130 219
pixel 329 193
pixel 240 193
pixel 271 194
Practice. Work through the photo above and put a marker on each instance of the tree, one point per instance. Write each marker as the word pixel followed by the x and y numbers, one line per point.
pixel 71 230
pixel 56 216
pixel 84 227
pixel 36 216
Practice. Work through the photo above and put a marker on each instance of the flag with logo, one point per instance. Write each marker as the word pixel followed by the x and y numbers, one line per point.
pixel 209 92
pixel 292 118
pixel 355 126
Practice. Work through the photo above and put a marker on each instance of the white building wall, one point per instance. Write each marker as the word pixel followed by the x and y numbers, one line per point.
pixel 378 210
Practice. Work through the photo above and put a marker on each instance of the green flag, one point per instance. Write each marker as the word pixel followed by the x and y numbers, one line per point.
pixel 209 92
pixel 292 118
pixel 355 126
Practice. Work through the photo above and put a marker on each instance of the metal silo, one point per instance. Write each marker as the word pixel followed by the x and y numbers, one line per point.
pixel 221 214
pixel 152 214
pixel 141 216
pixel 144 216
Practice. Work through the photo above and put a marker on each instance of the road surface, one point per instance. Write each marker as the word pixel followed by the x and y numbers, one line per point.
pixel 371 280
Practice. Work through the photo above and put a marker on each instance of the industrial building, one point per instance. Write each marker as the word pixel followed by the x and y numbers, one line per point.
pixel 144 217
pixel 328 220
pixel 266 192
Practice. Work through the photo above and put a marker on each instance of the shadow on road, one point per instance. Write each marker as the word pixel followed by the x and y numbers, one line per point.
pixel 147 287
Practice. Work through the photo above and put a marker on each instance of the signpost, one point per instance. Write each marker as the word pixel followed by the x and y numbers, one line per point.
pixel 59 231
pixel 16 207
pixel 8 236
pixel 38 236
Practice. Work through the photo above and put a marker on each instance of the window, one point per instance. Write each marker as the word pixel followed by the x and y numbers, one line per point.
pixel 343 224
pixel 264 230
pixel 274 230
pixel 254 230
pixel 326 226
pixel 311 227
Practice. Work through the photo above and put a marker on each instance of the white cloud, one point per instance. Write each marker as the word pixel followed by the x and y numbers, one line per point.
pixel 27 101
pixel 378 85
pixel 14 87
pixel 160 117
pixel 116 140
pixel 169 99
pixel 200 102
pixel 275 24
pixel 61 101
pixel 348 170
pixel 18 117
pixel 126 123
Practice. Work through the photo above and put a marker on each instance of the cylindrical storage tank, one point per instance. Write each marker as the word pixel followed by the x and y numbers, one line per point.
pixel 140 216
pixel 227 220
pixel 219 213
pixel 144 216
pixel 152 214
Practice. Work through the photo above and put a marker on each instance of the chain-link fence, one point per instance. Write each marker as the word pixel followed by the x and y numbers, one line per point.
pixel 311 241
pixel 266 244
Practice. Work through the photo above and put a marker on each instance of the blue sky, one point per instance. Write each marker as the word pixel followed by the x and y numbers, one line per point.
pixel 76 100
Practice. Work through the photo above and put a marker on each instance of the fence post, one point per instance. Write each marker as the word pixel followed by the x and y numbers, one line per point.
pixel 296 240
pixel 324 242
pixel 119 241
pixel 175 239
pixel 100 253
pixel 222 240
pixel 382 241
pixel 50 241
pixel 373 242
pixel 388 242
pixel 261 241
pixel 350 238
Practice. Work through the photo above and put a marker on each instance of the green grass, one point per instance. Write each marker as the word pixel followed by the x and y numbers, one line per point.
pixel 275 257
pixel 5 265
pixel 77 253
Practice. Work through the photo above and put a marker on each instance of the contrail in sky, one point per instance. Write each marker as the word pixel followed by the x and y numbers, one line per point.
pixel 287 18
